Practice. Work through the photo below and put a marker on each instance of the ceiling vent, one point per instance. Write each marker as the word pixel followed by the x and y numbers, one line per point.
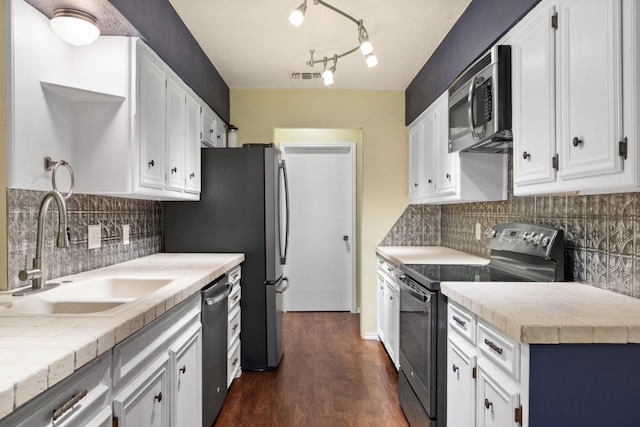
pixel 305 76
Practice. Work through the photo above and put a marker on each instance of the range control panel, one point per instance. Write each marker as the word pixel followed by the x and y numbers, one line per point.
pixel 530 239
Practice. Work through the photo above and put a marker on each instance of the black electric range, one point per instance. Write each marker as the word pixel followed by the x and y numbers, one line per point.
pixel 519 253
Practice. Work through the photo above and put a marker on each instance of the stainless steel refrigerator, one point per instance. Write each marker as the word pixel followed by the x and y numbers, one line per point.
pixel 243 207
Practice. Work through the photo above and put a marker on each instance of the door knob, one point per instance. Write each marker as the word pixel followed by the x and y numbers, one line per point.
pixel 345 238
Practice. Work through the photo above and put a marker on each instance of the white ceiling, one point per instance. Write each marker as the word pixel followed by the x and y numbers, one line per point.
pixel 253 45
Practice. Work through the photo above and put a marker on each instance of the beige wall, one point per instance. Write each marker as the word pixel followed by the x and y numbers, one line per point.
pixel 3 158
pixel 382 157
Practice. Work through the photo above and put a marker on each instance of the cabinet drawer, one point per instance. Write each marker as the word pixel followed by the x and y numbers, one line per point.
pixel 86 394
pixel 234 327
pixel 462 322
pixel 234 276
pixel 234 298
pixel 500 349
pixel 233 363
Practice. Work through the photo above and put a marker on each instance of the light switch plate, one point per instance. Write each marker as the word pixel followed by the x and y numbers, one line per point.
pixel 125 234
pixel 478 231
pixel 94 236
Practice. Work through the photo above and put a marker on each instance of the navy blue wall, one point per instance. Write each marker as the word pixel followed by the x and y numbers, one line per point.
pixel 484 22
pixel 163 30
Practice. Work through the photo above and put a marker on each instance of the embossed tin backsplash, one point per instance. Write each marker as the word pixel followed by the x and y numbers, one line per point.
pixel 143 217
pixel 602 232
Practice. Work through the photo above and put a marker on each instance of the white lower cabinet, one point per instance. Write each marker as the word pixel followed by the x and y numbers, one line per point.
pixel 498 402
pixel 144 402
pixel 487 380
pixel 389 310
pixel 461 386
pixel 82 400
pixel 186 362
pixel 157 372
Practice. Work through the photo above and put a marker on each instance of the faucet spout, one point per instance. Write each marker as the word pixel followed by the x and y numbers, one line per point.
pixel 38 274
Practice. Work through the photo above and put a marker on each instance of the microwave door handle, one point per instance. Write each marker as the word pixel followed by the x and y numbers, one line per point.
pixel 470 118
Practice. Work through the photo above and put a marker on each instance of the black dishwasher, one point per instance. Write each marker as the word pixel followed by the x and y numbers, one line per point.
pixel 214 348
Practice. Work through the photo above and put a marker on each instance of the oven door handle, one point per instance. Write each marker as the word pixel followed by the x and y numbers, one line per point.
pixel 423 298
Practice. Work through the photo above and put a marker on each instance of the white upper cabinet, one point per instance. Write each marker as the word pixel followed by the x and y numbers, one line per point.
pixel 574 127
pixel 113 110
pixel 176 134
pixel 437 176
pixel 151 119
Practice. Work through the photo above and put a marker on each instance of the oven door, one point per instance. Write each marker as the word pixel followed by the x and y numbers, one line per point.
pixel 418 333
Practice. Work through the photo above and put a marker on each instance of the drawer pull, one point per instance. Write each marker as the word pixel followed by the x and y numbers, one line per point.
pixel 235 327
pixel 234 361
pixel 235 277
pixel 183 369
pixel 235 298
pixel 493 347
pixel 158 397
pixel 459 321
pixel 68 404
pixel 487 404
pixel 455 368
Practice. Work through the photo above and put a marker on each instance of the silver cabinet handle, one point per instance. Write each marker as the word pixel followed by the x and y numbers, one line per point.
pixel 66 406
pixel 493 346
pixel 459 321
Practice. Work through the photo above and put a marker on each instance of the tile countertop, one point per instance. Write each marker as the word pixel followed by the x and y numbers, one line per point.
pixel 40 351
pixel 428 255
pixel 551 313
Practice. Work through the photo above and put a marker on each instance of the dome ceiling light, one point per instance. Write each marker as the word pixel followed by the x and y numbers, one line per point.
pixel 75 27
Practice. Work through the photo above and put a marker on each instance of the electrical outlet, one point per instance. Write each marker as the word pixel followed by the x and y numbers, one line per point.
pixel 125 234
pixel 478 231
pixel 94 236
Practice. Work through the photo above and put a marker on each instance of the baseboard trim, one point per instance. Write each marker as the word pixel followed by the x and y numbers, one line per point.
pixel 371 336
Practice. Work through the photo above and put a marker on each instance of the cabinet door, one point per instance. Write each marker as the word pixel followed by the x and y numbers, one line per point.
pixel 381 305
pixel 144 401
pixel 427 161
pixel 590 89
pixel 176 135
pixel 394 326
pixel 446 164
pixel 187 381
pixel 151 118
pixel 534 113
pixel 415 156
pixel 496 402
pixel 461 386
pixel 192 132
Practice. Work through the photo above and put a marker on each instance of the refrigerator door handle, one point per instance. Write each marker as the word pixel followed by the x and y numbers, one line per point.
pixel 284 251
pixel 283 287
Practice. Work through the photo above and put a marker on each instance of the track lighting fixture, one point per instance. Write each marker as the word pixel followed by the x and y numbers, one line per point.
pixel 364 45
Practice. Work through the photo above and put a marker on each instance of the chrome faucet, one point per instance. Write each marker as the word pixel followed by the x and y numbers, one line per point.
pixel 38 274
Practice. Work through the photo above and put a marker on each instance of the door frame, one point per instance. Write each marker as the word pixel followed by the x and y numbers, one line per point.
pixel 311 146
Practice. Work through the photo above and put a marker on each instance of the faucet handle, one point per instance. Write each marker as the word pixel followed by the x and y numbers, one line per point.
pixel 29 273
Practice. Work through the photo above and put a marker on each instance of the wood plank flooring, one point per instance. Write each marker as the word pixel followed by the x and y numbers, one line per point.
pixel 328 376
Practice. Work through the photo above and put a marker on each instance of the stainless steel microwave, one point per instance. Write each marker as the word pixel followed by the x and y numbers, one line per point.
pixel 480 105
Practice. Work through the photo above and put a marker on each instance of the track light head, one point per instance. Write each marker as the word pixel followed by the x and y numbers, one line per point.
pixel 297 15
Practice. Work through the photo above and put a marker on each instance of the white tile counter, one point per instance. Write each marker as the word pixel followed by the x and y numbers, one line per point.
pixel 551 313
pixel 428 255
pixel 37 352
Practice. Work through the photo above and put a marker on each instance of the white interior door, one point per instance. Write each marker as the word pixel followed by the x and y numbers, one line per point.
pixel 321 263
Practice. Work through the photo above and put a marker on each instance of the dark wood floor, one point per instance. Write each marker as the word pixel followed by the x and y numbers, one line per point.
pixel 328 376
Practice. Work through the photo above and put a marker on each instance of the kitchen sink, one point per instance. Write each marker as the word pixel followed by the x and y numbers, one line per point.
pixel 99 296
pixel 109 288
pixel 42 307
